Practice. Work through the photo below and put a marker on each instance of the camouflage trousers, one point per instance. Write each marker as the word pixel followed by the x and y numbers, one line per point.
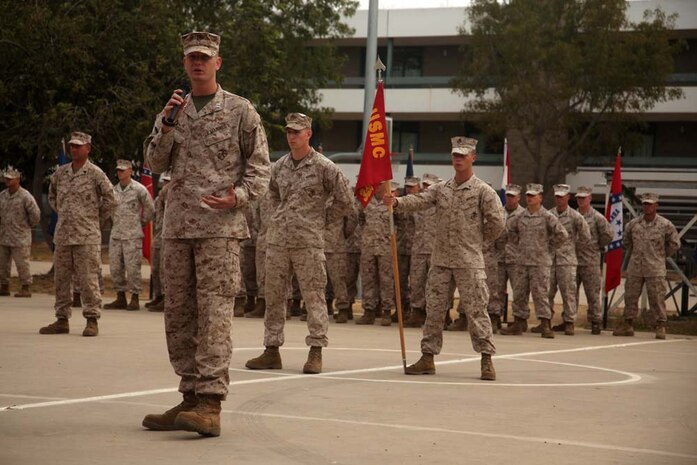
pixel 100 279
pixel 656 290
pixel 377 279
pixel 83 262
pixel 473 294
pixel 497 295
pixel 309 267
pixel 336 274
pixel 404 264
pixel 248 268
pixel 353 267
pixel 125 260
pixel 201 276
pixel 491 267
pixel 260 265
pixel 535 280
pixel 418 275
pixel 590 277
pixel 157 288
pixel 563 277
pixel 20 255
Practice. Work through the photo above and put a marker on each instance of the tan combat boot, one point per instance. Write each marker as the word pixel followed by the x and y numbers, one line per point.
pixel 313 365
pixel 495 322
pixel 24 292
pixel 595 327
pixel 342 316
pixel 661 330
pixel 368 318
pixel 624 329
pixel 60 326
pixel 77 300
pixel 134 304
pixel 417 318
pixel 259 309
pixel 561 327
pixel 119 304
pixel 204 418
pixel 165 421
pixel 238 309
pixel 458 325
pixel 250 304
pixel 269 360
pixel 4 289
pixel 536 329
pixel 569 328
pixel 515 329
pixel 488 371
pixel 547 332
pixel 91 329
pixel 159 306
pixel 425 366
pixel 155 301
pixel 386 319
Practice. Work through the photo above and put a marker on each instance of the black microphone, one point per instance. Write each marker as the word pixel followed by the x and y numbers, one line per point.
pixel 175 109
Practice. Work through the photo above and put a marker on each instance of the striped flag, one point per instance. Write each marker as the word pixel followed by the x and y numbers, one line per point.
pixel 146 180
pixel 506 179
pixel 613 213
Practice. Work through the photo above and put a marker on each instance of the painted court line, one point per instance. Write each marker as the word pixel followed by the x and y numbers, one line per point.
pixel 328 375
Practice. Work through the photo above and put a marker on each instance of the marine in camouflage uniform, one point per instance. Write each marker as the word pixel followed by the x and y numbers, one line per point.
pixel 335 246
pixel 563 273
pixel 353 257
pixel 468 214
pixel 158 290
pixel 506 254
pixel 82 196
pixel 134 209
pixel 218 157
pixel 588 254
pixel 302 182
pixel 249 289
pixel 262 210
pixel 404 228
pixel 535 233
pixel 18 214
pixel 650 239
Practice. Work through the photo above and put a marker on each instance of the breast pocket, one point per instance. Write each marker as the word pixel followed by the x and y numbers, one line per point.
pixel 222 147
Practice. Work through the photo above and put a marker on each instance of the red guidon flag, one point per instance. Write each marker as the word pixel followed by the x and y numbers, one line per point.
pixel 613 213
pixel 375 164
pixel 146 180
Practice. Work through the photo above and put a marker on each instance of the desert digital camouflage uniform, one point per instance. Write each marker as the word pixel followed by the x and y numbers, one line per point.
pixel 563 271
pixel 83 200
pixel 506 255
pixel 221 145
pixel 100 278
pixel 249 287
pixel 588 254
pixel 491 267
pixel 18 214
pixel 377 277
pixel 534 235
pixel 134 209
pixel 157 243
pixel 261 214
pixel 649 243
pixel 467 216
pixel 404 226
pixel 353 253
pixel 296 239
pixel 335 247
pixel 422 247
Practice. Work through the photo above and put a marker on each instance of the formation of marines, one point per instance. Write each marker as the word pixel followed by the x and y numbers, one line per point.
pixel 225 213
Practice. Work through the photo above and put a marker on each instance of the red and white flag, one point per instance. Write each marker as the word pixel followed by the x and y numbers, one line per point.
pixel 146 180
pixel 613 213
pixel 376 166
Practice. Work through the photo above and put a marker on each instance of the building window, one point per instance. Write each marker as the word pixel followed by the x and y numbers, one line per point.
pixel 407 62
pixel 404 135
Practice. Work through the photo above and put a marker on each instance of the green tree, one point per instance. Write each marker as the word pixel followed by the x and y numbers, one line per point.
pixel 562 78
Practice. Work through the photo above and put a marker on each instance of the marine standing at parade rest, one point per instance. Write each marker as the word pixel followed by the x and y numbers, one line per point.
pixel 18 214
pixel 563 273
pixel 588 272
pixel 134 209
pixel 650 239
pixel 218 157
pixel 83 197
pixel 468 213
pixel 302 182
pixel 535 233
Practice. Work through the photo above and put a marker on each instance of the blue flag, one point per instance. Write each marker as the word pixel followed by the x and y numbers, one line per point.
pixel 62 160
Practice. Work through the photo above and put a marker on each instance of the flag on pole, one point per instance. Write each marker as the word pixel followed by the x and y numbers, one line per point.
pixel 506 179
pixel 613 213
pixel 62 160
pixel 146 180
pixel 375 163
